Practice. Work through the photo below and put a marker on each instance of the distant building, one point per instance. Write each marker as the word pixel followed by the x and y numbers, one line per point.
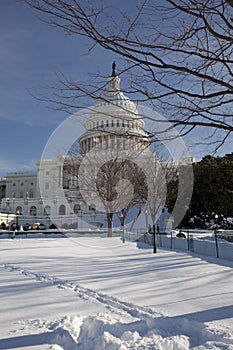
pixel 113 121
pixel 188 161
pixel 51 194
pixel 2 188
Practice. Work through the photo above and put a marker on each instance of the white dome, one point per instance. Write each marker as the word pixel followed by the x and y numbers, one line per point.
pixel 114 122
pixel 114 104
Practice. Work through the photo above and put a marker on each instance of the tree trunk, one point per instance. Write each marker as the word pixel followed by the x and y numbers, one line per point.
pixel 154 239
pixel 110 220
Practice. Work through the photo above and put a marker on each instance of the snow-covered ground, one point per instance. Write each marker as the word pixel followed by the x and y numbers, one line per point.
pixel 94 293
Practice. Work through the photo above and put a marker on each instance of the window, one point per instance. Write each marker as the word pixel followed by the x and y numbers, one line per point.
pixel 107 123
pixel 77 207
pixel 113 123
pixel 47 172
pixel 18 210
pixel 22 184
pixel 33 211
pixel 47 185
pixel 14 184
pixel 92 207
pixel 62 210
pixel 32 183
pixel 118 123
pixel 102 124
pixel 47 210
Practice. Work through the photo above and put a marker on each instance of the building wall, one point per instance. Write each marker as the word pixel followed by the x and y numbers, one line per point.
pixel 42 193
pixel 50 177
pixel 2 188
pixel 21 185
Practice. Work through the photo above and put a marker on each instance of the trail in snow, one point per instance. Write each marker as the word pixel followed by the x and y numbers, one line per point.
pixel 124 326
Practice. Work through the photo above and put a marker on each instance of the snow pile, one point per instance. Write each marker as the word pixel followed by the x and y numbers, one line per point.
pixel 102 333
pixel 106 332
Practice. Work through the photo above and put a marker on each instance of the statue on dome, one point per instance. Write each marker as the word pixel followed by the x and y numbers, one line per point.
pixel 114 80
pixel 114 69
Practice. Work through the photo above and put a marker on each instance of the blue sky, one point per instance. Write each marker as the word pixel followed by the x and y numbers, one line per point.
pixel 30 54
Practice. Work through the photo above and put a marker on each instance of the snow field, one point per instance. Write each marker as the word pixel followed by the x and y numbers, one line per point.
pixel 96 293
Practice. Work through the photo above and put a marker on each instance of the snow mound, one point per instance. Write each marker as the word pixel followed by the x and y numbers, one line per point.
pixel 103 332
pixel 107 332
pixel 99 334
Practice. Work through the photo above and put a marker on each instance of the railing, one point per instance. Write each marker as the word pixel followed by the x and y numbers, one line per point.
pixel 217 243
pixel 22 173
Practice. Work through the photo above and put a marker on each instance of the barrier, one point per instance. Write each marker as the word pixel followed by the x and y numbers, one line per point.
pixel 210 243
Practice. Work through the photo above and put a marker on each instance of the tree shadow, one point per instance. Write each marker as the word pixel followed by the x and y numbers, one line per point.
pixel 60 336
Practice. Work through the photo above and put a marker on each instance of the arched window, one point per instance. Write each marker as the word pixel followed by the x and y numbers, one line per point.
pixel 76 208
pixel 47 210
pixel 92 207
pixel 18 210
pixel 33 211
pixel 62 210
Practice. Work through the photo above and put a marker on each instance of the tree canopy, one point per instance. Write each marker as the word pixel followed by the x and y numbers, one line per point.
pixel 177 54
pixel 213 188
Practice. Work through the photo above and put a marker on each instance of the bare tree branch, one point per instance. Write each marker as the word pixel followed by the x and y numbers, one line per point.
pixel 178 55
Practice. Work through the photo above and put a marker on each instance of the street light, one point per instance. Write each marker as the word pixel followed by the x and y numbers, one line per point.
pixel 123 226
pixel 146 213
pixel 216 218
pixel 17 220
pixel 215 234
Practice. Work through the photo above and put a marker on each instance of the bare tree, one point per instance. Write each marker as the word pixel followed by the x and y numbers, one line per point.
pixel 107 179
pixel 178 55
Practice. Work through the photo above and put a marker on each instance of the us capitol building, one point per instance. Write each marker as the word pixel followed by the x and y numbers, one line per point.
pixel 113 121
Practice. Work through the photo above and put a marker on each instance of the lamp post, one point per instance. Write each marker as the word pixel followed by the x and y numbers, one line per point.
pixel 216 236
pixel 123 226
pixel 146 213
pixel 216 219
pixel 17 220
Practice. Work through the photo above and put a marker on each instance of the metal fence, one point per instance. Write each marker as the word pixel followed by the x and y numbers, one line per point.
pixel 212 243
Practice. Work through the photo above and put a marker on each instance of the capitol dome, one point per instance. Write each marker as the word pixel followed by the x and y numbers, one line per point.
pixel 114 120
